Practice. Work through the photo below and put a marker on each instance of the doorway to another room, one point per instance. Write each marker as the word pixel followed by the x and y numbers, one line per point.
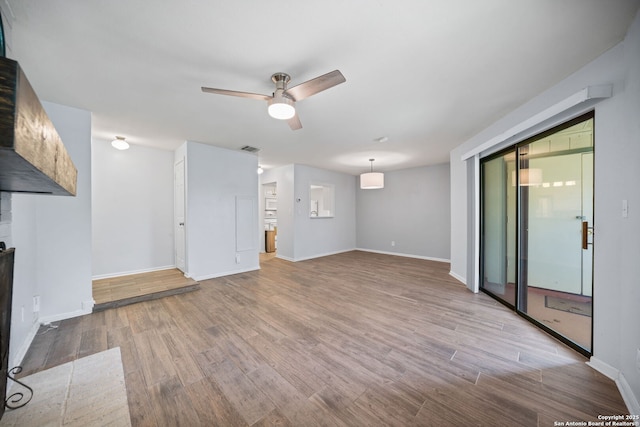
pixel 270 218
pixel 536 226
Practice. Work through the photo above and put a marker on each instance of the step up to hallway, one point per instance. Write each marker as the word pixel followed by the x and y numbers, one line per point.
pixel 130 289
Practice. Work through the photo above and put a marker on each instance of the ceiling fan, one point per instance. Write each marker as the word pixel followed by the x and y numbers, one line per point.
pixel 282 102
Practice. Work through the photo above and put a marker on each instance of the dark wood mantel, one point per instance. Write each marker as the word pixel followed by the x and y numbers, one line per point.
pixel 33 158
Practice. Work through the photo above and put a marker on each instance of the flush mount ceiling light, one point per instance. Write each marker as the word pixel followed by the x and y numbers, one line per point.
pixel 119 143
pixel 371 180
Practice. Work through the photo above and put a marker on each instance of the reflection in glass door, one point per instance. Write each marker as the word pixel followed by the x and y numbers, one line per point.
pixel 499 227
pixel 541 264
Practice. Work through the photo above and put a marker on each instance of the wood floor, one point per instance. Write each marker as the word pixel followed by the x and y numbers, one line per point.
pixel 136 287
pixel 347 340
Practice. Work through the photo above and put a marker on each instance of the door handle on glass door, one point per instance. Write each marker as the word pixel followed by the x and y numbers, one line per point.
pixel 586 230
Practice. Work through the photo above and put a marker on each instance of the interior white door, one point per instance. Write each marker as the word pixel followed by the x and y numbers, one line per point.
pixel 179 207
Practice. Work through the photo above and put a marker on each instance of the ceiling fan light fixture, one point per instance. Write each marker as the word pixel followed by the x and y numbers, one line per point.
pixel 119 143
pixel 281 107
pixel 371 180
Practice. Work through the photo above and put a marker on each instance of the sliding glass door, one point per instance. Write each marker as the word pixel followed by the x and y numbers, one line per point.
pixel 499 227
pixel 537 217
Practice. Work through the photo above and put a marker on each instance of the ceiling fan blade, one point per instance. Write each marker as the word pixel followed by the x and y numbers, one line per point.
pixel 313 86
pixel 236 93
pixel 294 122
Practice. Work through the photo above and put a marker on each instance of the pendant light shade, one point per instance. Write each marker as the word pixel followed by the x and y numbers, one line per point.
pixel 371 180
pixel 528 177
pixel 119 143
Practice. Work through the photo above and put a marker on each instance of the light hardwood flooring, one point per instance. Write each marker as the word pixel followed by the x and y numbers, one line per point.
pixel 576 327
pixel 352 339
pixel 136 285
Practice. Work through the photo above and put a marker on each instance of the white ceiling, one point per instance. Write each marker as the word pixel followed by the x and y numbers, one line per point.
pixel 426 74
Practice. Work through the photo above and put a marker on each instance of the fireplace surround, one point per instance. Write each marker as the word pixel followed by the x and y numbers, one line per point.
pixel 6 292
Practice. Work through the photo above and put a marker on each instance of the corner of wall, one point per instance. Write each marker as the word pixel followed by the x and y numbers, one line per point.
pixel 16 358
pixel 614 374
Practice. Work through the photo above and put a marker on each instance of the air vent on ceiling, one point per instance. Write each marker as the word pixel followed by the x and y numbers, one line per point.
pixel 250 149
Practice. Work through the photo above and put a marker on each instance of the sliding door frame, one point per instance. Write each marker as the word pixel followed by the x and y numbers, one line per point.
pixel 520 293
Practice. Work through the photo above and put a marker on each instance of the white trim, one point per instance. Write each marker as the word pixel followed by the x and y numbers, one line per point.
pixel 88 305
pixel 363 250
pixel 323 255
pixel 286 258
pixel 405 255
pixel 458 277
pixel 226 273
pixel 475 280
pixel 63 316
pixel 589 93
pixel 604 368
pixel 22 351
pixel 623 386
pixel 128 273
pixel 627 395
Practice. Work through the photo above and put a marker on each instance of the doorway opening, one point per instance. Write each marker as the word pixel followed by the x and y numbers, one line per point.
pixel 270 220
pixel 537 230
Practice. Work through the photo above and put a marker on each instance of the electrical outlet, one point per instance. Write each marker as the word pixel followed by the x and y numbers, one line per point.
pixel 393 243
pixel 36 303
pixel 237 258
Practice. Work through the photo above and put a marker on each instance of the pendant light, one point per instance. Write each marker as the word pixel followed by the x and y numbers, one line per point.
pixel 371 180
pixel 528 177
pixel 119 143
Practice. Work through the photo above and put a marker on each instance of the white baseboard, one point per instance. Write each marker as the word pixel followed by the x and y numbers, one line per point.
pixel 630 399
pixel 404 255
pixel 322 255
pixel 286 258
pixel 363 250
pixel 458 277
pixel 604 368
pixel 225 273
pixel 128 273
pixel 22 351
pixel 62 316
pixel 87 308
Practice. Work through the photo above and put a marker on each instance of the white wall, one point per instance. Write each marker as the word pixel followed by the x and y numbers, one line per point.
pixel 458 214
pixel 132 209
pixel 52 237
pixel 411 210
pixel 301 237
pixel 616 252
pixel 23 236
pixel 216 177
pixel 316 237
